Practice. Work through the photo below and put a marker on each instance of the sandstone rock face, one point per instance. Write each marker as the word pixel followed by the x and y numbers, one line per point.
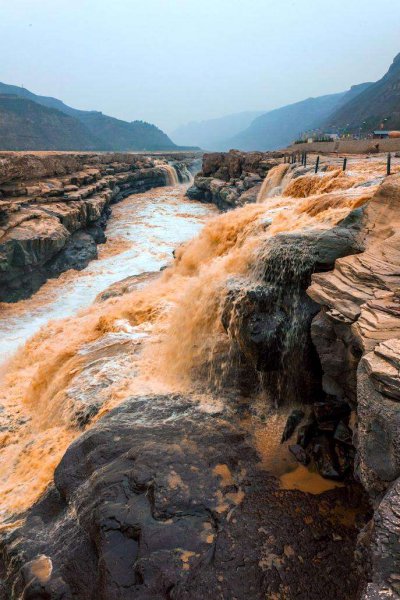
pixel 357 337
pixel 231 179
pixel 54 208
pixel 163 499
pixel 270 320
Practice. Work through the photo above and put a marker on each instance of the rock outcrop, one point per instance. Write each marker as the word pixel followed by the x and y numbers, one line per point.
pixel 270 318
pixel 357 337
pixel 163 499
pixel 54 208
pixel 231 179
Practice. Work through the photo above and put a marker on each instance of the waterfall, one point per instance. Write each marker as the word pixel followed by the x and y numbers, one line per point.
pixel 273 182
pixel 190 337
pixel 170 173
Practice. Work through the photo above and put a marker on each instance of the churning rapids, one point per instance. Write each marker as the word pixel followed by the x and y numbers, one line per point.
pixel 164 334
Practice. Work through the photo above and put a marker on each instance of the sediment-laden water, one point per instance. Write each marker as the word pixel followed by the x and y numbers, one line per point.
pixel 142 232
pixel 167 335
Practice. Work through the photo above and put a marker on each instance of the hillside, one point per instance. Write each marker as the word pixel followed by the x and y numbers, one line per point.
pixel 379 101
pixel 107 133
pixel 209 134
pixel 26 125
pixel 279 127
pixel 120 135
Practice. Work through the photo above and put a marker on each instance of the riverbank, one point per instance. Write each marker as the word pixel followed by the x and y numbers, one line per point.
pixel 54 209
pixel 143 433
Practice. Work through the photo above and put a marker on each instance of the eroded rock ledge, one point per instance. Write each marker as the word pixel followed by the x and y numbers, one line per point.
pixel 54 208
pixel 163 499
pixel 357 338
pixel 231 179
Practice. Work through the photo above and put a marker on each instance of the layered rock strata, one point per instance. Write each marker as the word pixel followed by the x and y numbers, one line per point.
pixel 357 338
pixel 231 179
pixel 54 208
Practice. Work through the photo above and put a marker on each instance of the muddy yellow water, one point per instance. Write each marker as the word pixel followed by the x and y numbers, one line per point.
pixel 155 337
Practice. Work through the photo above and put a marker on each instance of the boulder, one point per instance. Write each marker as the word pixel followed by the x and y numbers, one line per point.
pixel 162 499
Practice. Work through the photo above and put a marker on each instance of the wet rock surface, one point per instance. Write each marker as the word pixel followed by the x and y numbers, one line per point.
pixel 163 498
pixel 54 209
pixel 231 179
pixel 270 320
pixel 356 335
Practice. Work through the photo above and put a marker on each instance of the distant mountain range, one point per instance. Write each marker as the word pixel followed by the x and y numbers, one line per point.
pixel 378 103
pixel 209 133
pixel 32 122
pixel 361 109
pixel 278 128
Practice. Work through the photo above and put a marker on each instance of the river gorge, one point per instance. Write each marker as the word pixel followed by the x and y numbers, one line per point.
pixel 199 377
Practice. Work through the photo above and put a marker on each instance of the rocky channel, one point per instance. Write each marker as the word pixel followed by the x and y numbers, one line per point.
pixel 162 496
pixel 54 209
pixel 232 179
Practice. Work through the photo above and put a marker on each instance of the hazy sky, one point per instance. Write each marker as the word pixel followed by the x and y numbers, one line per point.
pixel 172 61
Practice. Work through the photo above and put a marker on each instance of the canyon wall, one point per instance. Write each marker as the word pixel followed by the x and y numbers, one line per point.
pixel 353 322
pixel 54 208
pixel 288 300
pixel 357 338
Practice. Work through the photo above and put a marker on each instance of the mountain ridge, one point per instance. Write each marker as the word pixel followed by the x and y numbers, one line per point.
pixel 96 130
pixel 378 104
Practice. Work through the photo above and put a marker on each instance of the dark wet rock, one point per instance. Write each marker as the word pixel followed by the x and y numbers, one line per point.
pixel 307 432
pixel 162 500
pixel 300 454
pixel 293 420
pixel 386 548
pixel 329 412
pixel 194 193
pixel 339 355
pixel 343 434
pixel 231 179
pixel 326 459
pixel 79 250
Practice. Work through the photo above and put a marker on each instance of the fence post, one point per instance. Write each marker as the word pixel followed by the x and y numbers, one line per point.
pixel 389 164
pixel 317 165
pixel 345 163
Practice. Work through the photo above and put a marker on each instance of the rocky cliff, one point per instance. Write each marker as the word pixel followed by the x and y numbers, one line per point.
pixel 54 208
pixel 161 495
pixel 231 179
pixel 357 338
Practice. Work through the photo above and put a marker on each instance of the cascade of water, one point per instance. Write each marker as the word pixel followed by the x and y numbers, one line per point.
pixel 171 173
pixel 273 182
pixel 184 309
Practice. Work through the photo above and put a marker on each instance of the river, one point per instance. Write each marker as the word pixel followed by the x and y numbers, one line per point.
pixel 142 233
